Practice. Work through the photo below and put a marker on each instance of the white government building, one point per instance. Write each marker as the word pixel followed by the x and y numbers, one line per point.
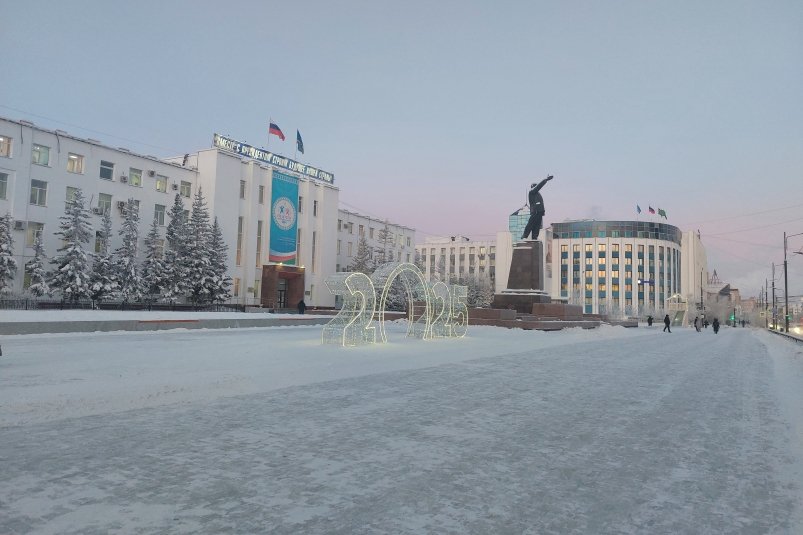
pixel 274 261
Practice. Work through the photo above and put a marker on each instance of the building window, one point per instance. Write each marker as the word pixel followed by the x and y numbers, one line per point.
pixel 261 194
pixel 3 185
pixel 351 228
pixel 300 204
pixel 186 188
pixel 70 194
pixel 239 255
pixel 135 177
pixel 106 170
pixel 314 208
pixel 236 286
pixel 161 183
pixel 259 243
pixel 314 234
pixel 38 192
pixel 33 232
pixel 408 241
pixel 98 241
pixel 242 189
pixel 104 202
pixel 349 248
pixel 75 163
pixel 371 232
pixel 361 230
pixel 159 214
pixel 338 246
pixel 40 155
pixel 339 225
pixel 5 146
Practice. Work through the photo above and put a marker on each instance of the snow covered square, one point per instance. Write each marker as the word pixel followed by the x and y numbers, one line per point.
pixel 265 430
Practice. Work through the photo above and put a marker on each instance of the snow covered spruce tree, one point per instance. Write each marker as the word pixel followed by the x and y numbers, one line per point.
pixel 102 280
pixel 175 253
pixel 362 262
pixel 71 276
pixel 197 252
pixel 219 287
pixel 155 276
pixel 385 237
pixel 126 271
pixel 8 266
pixel 36 271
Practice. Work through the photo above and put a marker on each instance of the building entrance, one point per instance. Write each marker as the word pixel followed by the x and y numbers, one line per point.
pixel 282 286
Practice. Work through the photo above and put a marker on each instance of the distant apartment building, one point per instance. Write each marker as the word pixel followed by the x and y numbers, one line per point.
pixel 447 258
pixel 388 242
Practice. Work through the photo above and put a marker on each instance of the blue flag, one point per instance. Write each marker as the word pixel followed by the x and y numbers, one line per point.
pixel 299 143
pixel 638 209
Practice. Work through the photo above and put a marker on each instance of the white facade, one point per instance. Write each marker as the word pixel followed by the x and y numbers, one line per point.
pixel 693 268
pixel 351 226
pixel 617 267
pixel 39 168
pixel 457 256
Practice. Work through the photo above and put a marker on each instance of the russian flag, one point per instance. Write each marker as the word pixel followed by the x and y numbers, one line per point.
pixel 276 131
pixel 650 208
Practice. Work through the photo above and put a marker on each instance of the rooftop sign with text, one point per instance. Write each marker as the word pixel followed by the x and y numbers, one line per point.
pixel 271 158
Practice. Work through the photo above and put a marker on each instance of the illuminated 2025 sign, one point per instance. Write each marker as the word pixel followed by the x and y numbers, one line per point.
pixel 434 310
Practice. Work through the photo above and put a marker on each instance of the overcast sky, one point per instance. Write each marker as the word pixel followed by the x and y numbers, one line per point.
pixel 438 115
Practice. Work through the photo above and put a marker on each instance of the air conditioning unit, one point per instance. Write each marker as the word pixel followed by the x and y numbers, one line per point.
pixel 123 179
pixel 97 210
pixel 121 205
pixel 20 225
pixel 151 173
pixel 175 187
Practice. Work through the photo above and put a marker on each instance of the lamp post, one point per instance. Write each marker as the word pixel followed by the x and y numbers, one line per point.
pixel 786 280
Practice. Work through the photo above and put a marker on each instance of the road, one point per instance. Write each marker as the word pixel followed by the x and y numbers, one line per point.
pixel 680 433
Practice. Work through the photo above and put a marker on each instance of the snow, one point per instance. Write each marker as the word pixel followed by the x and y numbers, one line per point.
pixel 609 430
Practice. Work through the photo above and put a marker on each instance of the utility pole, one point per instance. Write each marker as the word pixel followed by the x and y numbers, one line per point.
pixel 774 311
pixel 785 287
pixel 766 303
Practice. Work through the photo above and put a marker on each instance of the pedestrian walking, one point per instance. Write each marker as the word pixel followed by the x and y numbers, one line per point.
pixel 715 325
pixel 302 306
pixel 697 323
pixel 649 321
pixel 667 321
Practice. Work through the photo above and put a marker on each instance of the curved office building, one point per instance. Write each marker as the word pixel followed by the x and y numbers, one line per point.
pixel 619 268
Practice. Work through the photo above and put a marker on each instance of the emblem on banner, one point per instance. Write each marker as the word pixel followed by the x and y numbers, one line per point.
pixel 284 213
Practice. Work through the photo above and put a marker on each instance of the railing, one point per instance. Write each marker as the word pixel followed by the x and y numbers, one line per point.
pixel 86 304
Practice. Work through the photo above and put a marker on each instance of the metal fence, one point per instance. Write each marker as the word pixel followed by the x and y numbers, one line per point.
pixel 30 303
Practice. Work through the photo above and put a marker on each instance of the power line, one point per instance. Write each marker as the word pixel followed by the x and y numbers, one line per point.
pixel 756 228
pixel 741 216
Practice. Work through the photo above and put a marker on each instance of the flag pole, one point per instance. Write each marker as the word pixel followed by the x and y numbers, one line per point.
pixel 270 121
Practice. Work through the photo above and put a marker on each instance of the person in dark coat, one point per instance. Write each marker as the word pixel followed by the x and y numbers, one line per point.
pixel 537 210
pixel 715 325
pixel 697 324
pixel 667 322
pixel 302 306
pixel 649 321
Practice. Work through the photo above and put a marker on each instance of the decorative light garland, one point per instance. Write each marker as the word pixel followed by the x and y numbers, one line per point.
pixel 442 311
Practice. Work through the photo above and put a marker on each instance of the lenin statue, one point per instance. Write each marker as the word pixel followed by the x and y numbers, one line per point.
pixel 537 211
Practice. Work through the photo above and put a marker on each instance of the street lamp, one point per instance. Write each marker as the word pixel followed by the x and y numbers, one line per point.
pixel 786 279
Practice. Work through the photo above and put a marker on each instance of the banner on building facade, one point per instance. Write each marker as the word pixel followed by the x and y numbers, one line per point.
pixel 283 219
pixel 268 157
